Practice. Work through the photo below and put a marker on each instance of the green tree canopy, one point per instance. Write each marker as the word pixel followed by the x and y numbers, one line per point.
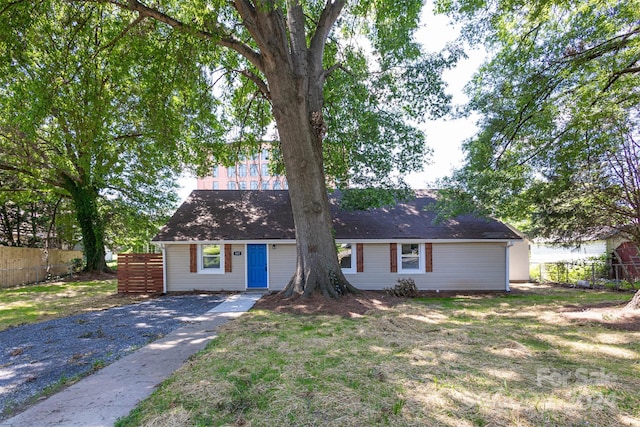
pixel 34 218
pixel 344 83
pixel 558 103
pixel 101 108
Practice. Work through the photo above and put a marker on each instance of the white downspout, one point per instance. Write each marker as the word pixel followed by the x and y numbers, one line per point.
pixel 510 243
pixel 164 269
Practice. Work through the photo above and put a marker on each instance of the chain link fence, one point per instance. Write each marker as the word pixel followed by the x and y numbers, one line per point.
pixel 587 273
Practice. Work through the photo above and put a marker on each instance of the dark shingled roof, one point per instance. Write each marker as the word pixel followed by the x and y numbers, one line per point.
pixel 209 215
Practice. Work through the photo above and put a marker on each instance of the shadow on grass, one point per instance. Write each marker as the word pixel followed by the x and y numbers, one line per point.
pixel 457 361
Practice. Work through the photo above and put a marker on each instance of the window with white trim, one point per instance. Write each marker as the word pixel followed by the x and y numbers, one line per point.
pixel 211 259
pixel 347 257
pixel 411 258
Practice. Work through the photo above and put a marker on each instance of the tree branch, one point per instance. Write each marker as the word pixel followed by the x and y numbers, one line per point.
pixel 123 33
pixel 220 36
pixel 328 18
pixel 334 67
pixel 10 4
pixel 329 15
pixel 263 29
pixel 262 86
pixel 298 42
pixel 630 70
pixel 614 43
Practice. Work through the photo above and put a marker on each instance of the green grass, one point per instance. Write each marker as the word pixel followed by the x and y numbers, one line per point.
pixel 36 303
pixel 463 361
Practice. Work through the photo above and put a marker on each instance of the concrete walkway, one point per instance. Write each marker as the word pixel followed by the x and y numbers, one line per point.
pixel 111 393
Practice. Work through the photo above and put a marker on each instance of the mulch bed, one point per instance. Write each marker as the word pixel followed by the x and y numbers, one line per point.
pixel 346 306
pixel 353 305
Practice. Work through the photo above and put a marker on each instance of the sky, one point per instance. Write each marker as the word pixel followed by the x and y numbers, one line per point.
pixel 444 136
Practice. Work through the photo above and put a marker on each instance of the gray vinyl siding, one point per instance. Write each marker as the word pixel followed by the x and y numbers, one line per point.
pixel 282 265
pixel 456 266
pixel 376 274
pixel 468 266
pixel 180 279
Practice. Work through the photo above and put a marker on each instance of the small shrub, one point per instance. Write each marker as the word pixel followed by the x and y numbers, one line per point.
pixel 406 288
pixel 76 265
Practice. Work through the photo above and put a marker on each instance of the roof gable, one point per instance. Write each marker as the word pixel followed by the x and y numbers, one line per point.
pixel 211 215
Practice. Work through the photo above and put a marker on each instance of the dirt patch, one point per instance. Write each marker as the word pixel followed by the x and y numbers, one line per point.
pixel 90 276
pixel 346 306
pixel 351 305
pixel 612 317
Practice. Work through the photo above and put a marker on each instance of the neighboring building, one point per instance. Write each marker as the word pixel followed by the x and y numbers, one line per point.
pixel 625 257
pixel 248 174
pixel 238 240
pixel 545 252
pixel 519 260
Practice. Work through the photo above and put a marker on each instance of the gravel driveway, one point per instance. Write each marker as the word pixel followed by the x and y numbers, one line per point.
pixel 35 357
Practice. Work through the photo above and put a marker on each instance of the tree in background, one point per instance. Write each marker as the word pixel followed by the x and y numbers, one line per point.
pixel 558 103
pixel 33 218
pixel 99 107
pixel 279 61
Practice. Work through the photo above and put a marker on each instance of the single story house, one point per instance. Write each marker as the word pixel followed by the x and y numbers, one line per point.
pixel 240 240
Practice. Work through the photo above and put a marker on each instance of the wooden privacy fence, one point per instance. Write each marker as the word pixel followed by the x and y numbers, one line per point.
pixel 20 266
pixel 140 273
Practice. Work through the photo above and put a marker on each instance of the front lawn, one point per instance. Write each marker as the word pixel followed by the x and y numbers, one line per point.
pixel 36 303
pixel 533 357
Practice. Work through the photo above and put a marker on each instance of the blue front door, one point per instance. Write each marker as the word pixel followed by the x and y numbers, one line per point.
pixel 257 266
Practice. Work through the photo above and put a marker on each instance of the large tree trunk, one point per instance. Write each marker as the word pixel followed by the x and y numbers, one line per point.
pixel 634 304
pixel 301 130
pixel 295 78
pixel 317 268
pixel 85 200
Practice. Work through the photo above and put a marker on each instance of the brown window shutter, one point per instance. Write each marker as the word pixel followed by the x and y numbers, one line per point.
pixel 393 249
pixel 193 258
pixel 227 258
pixel 359 257
pixel 428 257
